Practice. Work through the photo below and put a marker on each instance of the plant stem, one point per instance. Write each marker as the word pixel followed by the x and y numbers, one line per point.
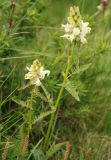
pixel 52 120
pixel 30 111
pixel 12 9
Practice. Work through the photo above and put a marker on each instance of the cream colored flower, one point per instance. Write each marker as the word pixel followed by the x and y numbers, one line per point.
pixel 36 73
pixel 71 32
pixel 84 31
pixel 76 29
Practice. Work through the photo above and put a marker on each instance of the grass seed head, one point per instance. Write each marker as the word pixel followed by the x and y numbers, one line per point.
pixel 25 145
pixel 4 154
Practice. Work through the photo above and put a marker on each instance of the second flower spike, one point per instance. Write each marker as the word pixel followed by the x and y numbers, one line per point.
pixel 76 29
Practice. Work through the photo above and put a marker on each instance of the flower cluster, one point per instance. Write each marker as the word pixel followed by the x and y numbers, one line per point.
pixel 76 29
pixel 36 73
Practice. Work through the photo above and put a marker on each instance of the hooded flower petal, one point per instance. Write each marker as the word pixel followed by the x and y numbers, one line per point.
pixel 43 73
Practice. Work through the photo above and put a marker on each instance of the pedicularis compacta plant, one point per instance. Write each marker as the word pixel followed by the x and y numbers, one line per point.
pixel 75 32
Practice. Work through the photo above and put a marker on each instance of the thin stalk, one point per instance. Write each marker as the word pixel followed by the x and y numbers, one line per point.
pixel 12 9
pixel 53 115
pixel 26 138
pixel 30 111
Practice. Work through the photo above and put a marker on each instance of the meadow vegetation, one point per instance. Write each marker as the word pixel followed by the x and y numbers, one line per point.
pixel 55 80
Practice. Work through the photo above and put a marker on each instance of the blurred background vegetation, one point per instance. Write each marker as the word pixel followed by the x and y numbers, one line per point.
pixel 31 29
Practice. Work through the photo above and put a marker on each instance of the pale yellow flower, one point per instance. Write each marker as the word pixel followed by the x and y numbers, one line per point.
pixel 36 73
pixel 74 16
pixel 84 31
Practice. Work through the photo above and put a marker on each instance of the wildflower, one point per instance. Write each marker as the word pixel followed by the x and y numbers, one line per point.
pixel 36 73
pixel 76 29
pixel 103 5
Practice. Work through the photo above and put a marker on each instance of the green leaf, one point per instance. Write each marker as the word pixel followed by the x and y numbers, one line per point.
pixel 43 115
pixel 72 90
pixel 82 68
pixel 39 155
pixel 19 102
pixel 59 58
pixel 34 150
pixel 48 96
pixel 53 149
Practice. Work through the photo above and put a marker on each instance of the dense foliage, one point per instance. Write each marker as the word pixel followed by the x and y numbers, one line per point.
pixel 68 116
